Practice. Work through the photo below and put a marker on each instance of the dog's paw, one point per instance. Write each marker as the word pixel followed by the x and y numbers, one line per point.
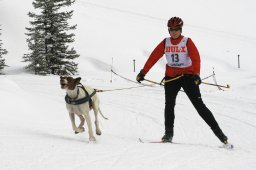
pixel 92 139
pixel 81 126
pixel 98 132
pixel 79 130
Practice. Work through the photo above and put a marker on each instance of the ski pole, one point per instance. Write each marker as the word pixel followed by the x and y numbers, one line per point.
pixel 227 86
pixel 208 77
pixel 164 81
pixel 153 82
pixel 175 78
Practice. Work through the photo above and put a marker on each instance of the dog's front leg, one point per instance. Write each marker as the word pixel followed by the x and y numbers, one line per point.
pixel 72 118
pixel 82 120
pixel 89 124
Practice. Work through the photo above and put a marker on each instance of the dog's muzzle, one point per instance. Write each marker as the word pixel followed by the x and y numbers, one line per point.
pixel 63 86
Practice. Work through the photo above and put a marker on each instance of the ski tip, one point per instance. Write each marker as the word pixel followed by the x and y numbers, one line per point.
pixel 228 146
pixel 140 140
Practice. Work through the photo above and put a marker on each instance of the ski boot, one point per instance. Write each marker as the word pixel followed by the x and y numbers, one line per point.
pixel 223 138
pixel 167 138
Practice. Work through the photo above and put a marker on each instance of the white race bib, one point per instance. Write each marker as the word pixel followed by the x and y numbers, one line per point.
pixel 177 55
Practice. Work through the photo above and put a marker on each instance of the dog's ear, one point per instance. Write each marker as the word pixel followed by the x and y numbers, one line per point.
pixel 77 80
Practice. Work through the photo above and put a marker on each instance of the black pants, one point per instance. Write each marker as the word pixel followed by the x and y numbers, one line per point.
pixel 193 92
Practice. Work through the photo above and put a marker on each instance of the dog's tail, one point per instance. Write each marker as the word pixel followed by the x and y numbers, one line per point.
pixel 102 115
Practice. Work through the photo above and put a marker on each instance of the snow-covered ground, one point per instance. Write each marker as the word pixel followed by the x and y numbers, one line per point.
pixel 35 128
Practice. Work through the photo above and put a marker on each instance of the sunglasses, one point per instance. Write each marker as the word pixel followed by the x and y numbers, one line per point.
pixel 173 29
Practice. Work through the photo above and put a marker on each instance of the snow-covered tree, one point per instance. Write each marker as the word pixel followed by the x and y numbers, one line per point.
pixel 2 52
pixel 49 38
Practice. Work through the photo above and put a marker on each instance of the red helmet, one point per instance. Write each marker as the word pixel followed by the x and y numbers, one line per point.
pixel 175 22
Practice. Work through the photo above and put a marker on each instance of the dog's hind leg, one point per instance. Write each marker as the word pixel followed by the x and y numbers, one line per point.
pixel 98 131
pixel 72 118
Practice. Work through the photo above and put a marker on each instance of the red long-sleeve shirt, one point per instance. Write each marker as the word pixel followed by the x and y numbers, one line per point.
pixel 159 51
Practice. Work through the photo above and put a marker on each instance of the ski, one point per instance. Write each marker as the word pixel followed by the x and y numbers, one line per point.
pixel 227 146
pixel 148 141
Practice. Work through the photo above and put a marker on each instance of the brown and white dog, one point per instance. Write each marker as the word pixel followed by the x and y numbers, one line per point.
pixel 77 104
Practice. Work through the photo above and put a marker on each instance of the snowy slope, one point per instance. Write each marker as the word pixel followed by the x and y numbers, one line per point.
pixel 35 127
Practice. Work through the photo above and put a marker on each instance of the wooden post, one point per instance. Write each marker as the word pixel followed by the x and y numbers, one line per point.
pixel 134 65
pixel 238 57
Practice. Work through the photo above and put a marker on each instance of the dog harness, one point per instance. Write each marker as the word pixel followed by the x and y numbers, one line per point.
pixel 87 98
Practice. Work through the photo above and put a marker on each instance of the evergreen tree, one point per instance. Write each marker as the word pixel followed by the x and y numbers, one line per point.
pixel 49 38
pixel 2 52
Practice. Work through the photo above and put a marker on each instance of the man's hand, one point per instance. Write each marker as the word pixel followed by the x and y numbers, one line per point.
pixel 140 76
pixel 197 79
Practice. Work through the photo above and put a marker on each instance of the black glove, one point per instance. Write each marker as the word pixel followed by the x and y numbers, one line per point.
pixel 140 76
pixel 197 79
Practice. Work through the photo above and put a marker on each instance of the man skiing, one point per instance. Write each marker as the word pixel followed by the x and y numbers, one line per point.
pixel 182 70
